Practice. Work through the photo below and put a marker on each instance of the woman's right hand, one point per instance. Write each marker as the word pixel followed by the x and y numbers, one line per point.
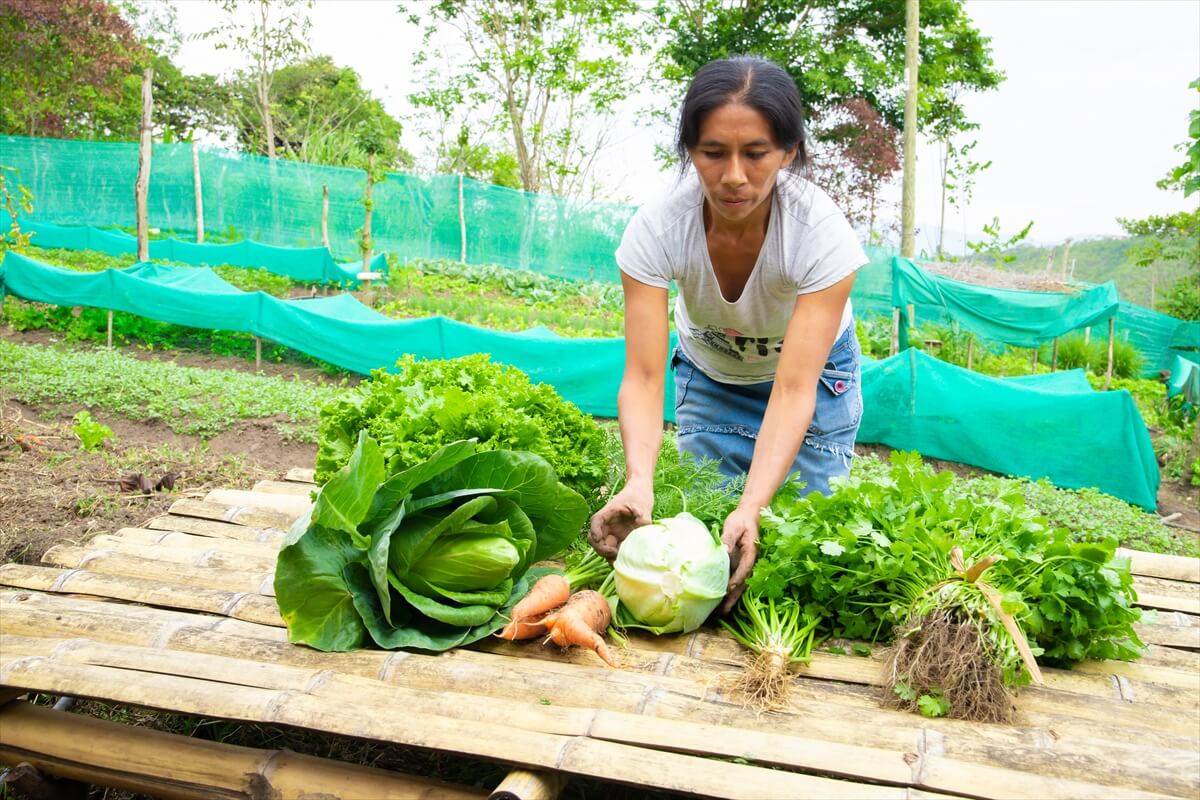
pixel 628 509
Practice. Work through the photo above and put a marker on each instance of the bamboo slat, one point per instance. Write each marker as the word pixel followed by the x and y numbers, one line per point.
pixel 239 605
pixel 107 562
pixel 289 488
pixel 168 765
pixel 851 731
pixel 494 740
pixel 300 475
pixel 211 558
pixel 225 512
pixel 287 506
pixel 1158 565
pixel 188 541
pixel 215 529
pixel 1168 594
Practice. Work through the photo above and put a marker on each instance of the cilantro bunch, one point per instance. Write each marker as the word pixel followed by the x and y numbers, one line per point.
pixel 867 558
pixel 426 405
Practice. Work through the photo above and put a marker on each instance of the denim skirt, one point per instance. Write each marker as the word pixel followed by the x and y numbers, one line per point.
pixel 720 421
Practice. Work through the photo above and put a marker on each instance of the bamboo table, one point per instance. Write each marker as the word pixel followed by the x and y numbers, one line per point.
pixel 179 615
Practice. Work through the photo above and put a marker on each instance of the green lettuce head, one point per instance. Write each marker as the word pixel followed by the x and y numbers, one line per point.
pixel 670 575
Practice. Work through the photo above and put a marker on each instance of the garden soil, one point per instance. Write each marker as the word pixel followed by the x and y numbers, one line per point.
pixel 52 492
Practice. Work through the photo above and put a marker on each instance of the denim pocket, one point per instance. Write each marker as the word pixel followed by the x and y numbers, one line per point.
pixel 839 393
pixel 683 376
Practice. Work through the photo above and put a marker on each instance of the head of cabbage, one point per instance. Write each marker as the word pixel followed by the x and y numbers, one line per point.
pixel 670 575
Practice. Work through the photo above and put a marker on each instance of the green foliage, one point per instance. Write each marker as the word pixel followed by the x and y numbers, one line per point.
pixel 1182 300
pixel 544 74
pixel 198 402
pixel 874 552
pixel 1186 176
pixel 995 246
pixel 433 557
pixel 321 114
pixel 15 200
pixel 429 404
pixel 91 433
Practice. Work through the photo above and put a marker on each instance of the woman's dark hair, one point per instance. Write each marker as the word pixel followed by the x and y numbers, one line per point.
pixel 751 81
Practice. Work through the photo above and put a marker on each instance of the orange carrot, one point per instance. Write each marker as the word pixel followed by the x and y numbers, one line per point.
pixel 550 592
pixel 581 621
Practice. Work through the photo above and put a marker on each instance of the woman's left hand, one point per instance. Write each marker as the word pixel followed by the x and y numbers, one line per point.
pixel 740 538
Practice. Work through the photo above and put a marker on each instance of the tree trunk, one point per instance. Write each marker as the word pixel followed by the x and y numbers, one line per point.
pixel 909 195
pixel 942 223
pixel 141 188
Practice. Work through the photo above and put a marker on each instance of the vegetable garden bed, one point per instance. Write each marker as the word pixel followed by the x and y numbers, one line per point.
pixel 179 615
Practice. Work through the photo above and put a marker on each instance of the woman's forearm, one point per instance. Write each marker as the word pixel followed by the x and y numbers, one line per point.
pixel 640 404
pixel 785 423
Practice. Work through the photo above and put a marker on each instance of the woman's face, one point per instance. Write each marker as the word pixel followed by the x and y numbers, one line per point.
pixel 737 160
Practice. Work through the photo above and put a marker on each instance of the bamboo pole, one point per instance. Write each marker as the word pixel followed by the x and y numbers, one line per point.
pixel 970 351
pixel 198 191
pixel 522 784
pixel 300 475
pixel 912 28
pixel 284 487
pixel 1054 355
pixel 214 528
pixel 325 216
pixel 462 222
pixel 895 348
pixel 141 188
pixel 1033 361
pixel 290 507
pixel 140 760
pixel 108 334
pixel 238 514
pixel 1108 371
pixel 257 354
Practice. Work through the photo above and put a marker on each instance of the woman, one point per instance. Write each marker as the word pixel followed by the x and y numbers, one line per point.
pixel 767 368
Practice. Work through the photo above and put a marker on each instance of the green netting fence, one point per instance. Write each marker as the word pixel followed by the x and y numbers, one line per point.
pixel 1051 426
pixel 314 264
pixel 279 202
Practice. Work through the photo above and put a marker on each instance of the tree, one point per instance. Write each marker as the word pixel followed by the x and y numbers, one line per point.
pixel 322 114
pixel 269 43
pixel 65 62
pixel 555 66
pixel 839 52
pixel 857 157
pixel 957 171
pixel 1174 237
pixel 997 247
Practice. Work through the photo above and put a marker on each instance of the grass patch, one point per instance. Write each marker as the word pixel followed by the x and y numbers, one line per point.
pixel 189 400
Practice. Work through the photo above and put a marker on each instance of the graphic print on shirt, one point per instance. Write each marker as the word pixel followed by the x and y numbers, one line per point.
pixel 735 344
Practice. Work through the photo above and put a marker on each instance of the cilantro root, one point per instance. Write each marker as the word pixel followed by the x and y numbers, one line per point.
pixel 943 655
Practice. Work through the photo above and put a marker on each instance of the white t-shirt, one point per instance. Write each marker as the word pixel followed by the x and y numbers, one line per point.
pixel 809 246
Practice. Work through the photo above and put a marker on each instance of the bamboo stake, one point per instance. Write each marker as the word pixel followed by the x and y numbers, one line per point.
pixel 970 351
pixel 257 354
pixel 1034 361
pixel 137 759
pixel 895 348
pixel 108 336
pixel 462 222
pixel 1054 356
pixel 198 191
pixel 1108 372
pixel 141 188
pixel 325 216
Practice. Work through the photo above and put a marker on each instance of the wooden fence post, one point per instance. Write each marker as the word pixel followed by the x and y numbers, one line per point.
pixel 108 339
pixel 895 331
pixel 325 216
pixel 970 352
pixel 1034 360
pixel 462 222
pixel 1108 372
pixel 199 192
pixel 368 204
pixel 257 354
pixel 141 187
pixel 1054 355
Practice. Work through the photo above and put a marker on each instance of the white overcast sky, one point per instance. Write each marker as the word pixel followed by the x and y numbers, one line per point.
pixel 1095 99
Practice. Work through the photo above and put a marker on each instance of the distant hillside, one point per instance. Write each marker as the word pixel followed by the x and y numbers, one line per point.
pixel 1100 260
